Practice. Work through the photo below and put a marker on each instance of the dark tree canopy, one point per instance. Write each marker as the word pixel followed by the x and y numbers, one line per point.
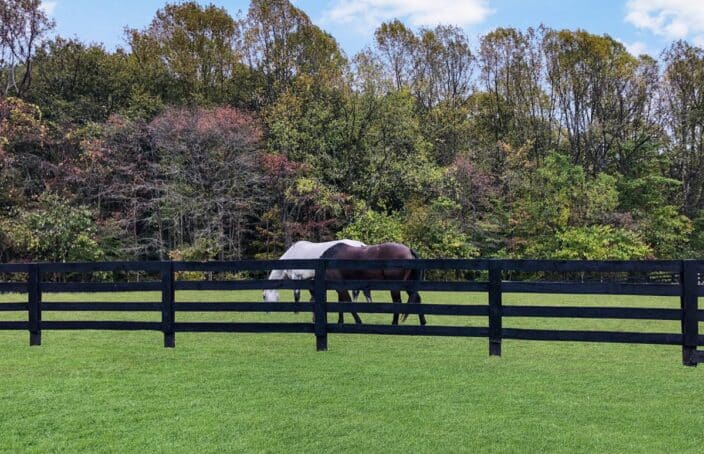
pixel 219 137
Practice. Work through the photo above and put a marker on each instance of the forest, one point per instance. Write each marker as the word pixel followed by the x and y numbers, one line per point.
pixel 213 136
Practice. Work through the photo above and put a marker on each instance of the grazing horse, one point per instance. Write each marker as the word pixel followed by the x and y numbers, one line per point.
pixel 384 251
pixel 306 250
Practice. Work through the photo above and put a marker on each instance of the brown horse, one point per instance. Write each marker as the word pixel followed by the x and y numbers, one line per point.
pixel 384 251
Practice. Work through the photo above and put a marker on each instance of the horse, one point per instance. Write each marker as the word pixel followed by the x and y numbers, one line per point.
pixel 306 250
pixel 384 251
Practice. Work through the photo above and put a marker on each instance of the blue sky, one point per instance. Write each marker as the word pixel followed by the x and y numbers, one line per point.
pixel 645 26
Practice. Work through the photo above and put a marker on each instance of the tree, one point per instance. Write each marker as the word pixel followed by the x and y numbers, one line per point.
pixel 683 116
pixel 521 104
pixel 119 173
pixel 444 65
pixel 280 176
pixel 391 157
pixel 54 231
pixel 396 45
pixel 604 95
pixel 479 207
pixel 281 42
pixel 195 46
pixel 213 181
pixel 597 242
pixel 442 84
pixel 75 83
pixel 434 232
pixel 550 199
pixel 375 227
pixel 23 24
pixel 22 137
pixel 667 231
pixel 428 228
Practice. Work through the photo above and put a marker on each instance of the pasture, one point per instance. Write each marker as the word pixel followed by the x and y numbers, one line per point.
pixel 122 391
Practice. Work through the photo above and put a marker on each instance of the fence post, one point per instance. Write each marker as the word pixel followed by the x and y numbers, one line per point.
pixel 495 310
pixel 34 295
pixel 689 304
pixel 320 313
pixel 168 315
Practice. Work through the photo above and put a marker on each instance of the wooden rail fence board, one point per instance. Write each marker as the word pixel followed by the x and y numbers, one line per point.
pixel 671 278
pixel 13 287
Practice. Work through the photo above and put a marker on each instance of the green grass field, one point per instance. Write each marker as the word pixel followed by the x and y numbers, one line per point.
pixel 122 391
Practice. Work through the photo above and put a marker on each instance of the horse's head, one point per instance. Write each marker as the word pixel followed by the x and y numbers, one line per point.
pixel 270 296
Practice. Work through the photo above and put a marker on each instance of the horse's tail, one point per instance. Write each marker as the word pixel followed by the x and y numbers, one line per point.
pixel 415 275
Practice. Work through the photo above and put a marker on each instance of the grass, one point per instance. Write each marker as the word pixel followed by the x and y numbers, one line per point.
pixel 122 391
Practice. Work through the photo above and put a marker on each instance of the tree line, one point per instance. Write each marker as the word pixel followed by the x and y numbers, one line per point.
pixel 218 137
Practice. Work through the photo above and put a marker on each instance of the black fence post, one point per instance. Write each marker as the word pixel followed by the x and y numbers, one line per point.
pixel 320 313
pixel 34 295
pixel 495 310
pixel 168 316
pixel 689 303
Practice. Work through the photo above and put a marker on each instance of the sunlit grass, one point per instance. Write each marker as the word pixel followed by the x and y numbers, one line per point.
pixel 122 391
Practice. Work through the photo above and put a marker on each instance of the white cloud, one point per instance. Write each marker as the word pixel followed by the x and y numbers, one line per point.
pixel 673 19
pixel 636 48
pixel 368 14
pixel 48 7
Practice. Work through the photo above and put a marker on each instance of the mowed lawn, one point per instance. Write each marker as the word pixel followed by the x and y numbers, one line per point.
pixel 113 391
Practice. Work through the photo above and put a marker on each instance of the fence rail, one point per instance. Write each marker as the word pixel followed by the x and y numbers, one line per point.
pixel 687 273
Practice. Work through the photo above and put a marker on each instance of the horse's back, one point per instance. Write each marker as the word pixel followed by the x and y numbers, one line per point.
pixel 383 251
pixel 391 251
pixel 308 250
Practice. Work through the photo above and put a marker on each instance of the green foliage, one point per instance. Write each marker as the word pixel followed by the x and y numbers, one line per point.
pixel 190 52
pixel 75 82
pixel 374 228
pixel 600 197
pixel 435 233
pixel 647 193
pixel 219 137
pixel 559 194
pixel 202 250
pixel 20 124
pixel 429 229
pixel 649 200
pixel 54 231
pixel 392 161
pixel 697 241
pixel 667 231
pixel 597 242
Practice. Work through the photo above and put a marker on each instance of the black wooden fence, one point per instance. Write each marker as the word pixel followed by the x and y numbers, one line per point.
pixel 490 278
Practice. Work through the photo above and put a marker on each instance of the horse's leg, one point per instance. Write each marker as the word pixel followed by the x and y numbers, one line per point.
pixel 414 298
pixel 357 320
pixel 296 297
pixel 368 295
pixel 342 296
pixel 396 298
pixel 355 296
